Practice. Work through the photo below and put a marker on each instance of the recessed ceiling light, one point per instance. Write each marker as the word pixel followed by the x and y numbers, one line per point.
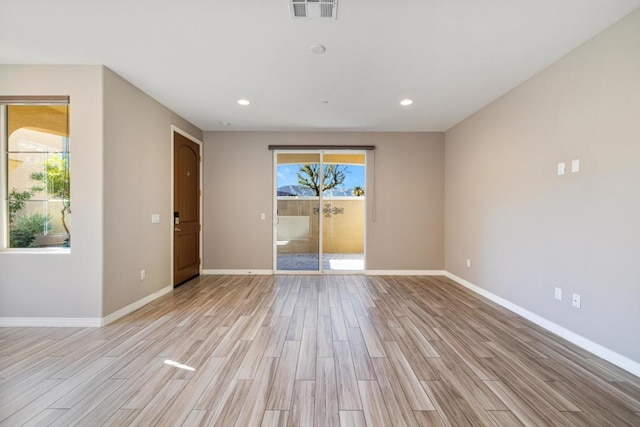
pixel 243 102
pixel 406 102
pixel 318 49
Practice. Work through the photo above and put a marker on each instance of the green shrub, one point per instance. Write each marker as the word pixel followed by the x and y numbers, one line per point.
pixel 17 202
pixel 25 229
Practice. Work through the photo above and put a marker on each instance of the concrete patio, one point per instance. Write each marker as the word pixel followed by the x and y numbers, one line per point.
pixel 330 262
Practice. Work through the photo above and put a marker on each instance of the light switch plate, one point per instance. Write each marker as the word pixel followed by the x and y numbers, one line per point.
pixel 558 294
pixel 155 218
pixel 561 168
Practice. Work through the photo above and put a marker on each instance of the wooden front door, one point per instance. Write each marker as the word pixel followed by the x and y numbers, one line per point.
pixel 186 207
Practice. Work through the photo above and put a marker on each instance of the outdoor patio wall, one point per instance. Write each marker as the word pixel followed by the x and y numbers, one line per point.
pixel 404 233
pixel 137 184
pixel 64 285
pixel 342 233
pixel 528 230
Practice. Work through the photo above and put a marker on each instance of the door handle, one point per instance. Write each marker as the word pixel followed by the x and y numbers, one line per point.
pixel 176 229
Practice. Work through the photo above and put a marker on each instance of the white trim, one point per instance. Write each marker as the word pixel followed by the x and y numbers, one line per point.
pixel 366 272
pixel 174 130
pixel 349 272
pixel 320 216
pixel 405 272
pixel 35 251
pixel 80 322
pixel 324 198
pixel 274 210
pixel 4 223
pixel 582 342
pixel 50 322
pixel 134 306
pixel 365 214
pixel 299 272
pixel 238 272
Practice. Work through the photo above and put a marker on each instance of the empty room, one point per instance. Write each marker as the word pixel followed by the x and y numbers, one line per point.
pixel 320 213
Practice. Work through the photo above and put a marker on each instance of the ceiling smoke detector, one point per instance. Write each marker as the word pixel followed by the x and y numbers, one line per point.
pixel 318 49
pixel 301 9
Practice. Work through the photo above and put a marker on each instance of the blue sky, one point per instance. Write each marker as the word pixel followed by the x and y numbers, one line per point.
pixel 287 175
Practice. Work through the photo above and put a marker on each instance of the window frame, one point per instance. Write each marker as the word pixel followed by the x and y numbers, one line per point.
pixel 6 101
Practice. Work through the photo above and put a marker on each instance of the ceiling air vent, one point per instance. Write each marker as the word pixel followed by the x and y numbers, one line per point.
pixel 301 9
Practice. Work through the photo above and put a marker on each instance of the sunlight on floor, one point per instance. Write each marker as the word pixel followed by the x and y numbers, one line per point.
pixel 346 264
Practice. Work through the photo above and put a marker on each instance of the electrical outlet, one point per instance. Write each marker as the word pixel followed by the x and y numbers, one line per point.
pixel 143 274
pixel 575 165
pixel 575 301
pixel 558 294
pixel 468 262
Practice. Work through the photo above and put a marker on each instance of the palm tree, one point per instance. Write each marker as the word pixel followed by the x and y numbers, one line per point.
pixel 357 191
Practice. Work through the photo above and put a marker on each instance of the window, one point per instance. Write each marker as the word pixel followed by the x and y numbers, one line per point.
pixel 34 138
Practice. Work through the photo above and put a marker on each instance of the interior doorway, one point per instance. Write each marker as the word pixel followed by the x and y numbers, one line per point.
pixel 186 208
pixel 320 199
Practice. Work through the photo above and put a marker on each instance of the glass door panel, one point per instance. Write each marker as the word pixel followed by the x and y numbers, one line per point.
pixel 343 212
pixel 297 211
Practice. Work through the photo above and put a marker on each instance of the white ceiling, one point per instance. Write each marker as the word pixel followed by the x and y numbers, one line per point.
pixel 198 57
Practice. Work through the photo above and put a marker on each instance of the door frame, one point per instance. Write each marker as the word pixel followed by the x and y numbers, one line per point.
pixel 274 238
pixel 174 130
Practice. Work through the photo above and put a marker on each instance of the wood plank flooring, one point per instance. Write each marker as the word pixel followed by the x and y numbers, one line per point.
pixel 310 351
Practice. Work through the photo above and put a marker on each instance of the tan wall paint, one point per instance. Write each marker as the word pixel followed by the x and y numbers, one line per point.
pixel 528 230
pixel 407 233
pixel 120 175
pixel 62 285
pixel 137 177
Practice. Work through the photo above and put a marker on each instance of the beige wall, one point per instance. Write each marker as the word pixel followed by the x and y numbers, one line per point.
pixel 528 230
pixel 137 179
pixel 406 232
pixel 68 284
pixel 120 175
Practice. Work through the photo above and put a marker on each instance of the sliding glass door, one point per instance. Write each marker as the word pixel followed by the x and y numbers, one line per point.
pixel 320 211
pixel 297 220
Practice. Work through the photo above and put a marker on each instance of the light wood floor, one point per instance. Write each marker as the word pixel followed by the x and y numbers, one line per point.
pixel 310 351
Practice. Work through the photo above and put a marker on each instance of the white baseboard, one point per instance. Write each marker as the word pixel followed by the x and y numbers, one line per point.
pixel 80 322
pixel 50 322
pixel 134 306
pixel 405 272
pixel 238 272
pixel 367 272
pixel 582 342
